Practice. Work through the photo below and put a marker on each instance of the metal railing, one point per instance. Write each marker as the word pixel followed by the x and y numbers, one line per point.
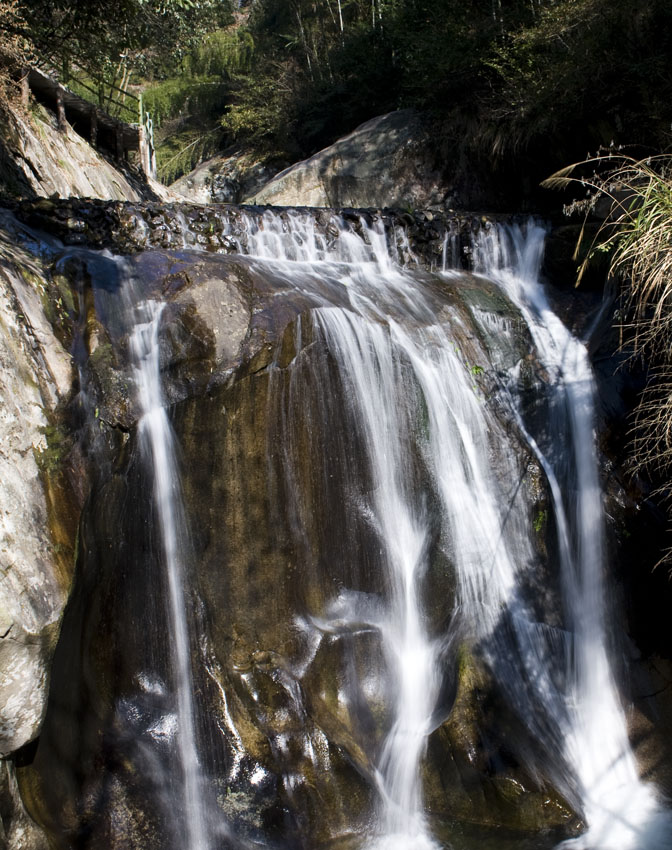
pixel 104 99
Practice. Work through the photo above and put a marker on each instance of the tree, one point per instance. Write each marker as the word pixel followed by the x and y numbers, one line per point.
pixel 14 50
pixel 145 35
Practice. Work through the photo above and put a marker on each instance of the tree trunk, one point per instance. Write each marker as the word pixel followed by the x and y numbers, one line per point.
pixel 60 109
pixel 25 88
pixel 304 42
pixel 94 126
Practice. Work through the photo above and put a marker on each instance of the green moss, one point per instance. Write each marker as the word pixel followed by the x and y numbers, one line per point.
pixel 58 302
pixel 65 293
pixel 34 279
pixel 59 443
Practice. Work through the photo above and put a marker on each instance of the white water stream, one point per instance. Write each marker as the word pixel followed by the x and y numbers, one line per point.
pixel 373 341
pixel 622 812
pixel 368 356
pixel 157 444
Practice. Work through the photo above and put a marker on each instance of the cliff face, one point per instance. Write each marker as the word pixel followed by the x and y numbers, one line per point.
pixel 35 377
pixel 39 515
pixel 38 160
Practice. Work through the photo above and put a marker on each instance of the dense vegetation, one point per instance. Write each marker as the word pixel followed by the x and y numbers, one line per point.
pixel 543 79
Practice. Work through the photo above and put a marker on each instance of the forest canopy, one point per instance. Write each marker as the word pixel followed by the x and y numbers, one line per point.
pixel 286 77
pixel 505 72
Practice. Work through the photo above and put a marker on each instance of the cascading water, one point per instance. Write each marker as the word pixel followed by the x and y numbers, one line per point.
pixel 620 811
pixel 370 360
pixel 156 439
pixel 399 402
pixel 582 722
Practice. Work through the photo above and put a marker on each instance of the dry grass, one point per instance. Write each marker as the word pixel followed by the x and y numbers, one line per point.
pixel 637 233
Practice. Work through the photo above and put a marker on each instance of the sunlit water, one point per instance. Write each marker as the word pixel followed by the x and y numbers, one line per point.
pixel 622 813
pixel 400 365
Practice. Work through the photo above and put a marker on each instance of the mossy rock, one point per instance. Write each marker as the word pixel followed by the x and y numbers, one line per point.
pixel 472 772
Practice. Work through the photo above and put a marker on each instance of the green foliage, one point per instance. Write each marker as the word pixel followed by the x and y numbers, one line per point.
pixel 552 76
pixel 596 65
pixel 182 150
pixel 187 107
pixel 202 86
pixel 146 34
pixel 312 79
pixel 58 445
pixel 221 53
pixel 183 95
pixel 98 47
pixel 261 112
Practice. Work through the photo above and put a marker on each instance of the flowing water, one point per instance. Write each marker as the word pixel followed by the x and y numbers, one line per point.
pixel 621 811
pixel 582 721
pixel 444 475
pixel 157 444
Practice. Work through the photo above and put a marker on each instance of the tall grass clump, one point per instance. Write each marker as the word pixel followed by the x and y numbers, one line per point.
pixel 635 196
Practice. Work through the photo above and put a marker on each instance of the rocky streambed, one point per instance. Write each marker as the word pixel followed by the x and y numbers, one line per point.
pixel 432 239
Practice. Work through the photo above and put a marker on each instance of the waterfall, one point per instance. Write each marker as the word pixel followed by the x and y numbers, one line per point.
pixel 430 414
pixel 156 439
pixel 387 357
pixel 368 356
pixel 621 812
pixel 391 351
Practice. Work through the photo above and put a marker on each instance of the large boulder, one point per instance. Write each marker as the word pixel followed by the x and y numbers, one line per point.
pixel 386 162
pixel 226 178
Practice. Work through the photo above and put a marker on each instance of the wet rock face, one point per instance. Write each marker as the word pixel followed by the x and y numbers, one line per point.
pixel 35 535
pixel 272 769
pixel 42 487
pixel 292 697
